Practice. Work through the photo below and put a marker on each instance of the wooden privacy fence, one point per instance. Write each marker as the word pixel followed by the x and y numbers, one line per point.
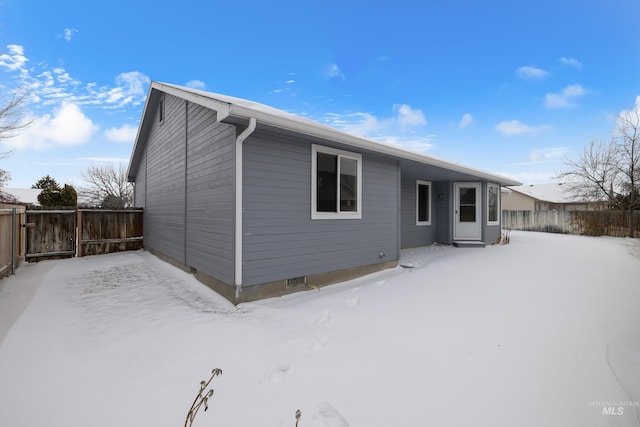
pixel 12 238
pixel 593 223
pixel 35 235
pixel 51 234
pixel 105 231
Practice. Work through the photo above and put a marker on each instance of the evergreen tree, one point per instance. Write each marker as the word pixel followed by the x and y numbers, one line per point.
pixel 46 182
pixel 59 197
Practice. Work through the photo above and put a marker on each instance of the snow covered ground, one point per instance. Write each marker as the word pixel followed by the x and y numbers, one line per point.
pixel 542 332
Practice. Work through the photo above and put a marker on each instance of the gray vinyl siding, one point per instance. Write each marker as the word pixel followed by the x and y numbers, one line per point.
pixel 415 235
pixel 443 211
pixel 210 194
pixel 164 218
pixel 140 186
pixel 282 241
pixel 189 188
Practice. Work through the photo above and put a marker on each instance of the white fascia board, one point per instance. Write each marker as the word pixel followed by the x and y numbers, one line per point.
pixel 220 107
pixel 311 128
pixel 227 107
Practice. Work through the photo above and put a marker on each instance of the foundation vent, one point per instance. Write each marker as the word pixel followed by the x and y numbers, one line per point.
pixel 296 281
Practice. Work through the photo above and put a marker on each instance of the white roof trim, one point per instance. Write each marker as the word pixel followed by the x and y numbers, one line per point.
pixel 227 107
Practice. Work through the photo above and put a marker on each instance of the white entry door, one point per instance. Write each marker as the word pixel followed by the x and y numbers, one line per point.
pixel 467 211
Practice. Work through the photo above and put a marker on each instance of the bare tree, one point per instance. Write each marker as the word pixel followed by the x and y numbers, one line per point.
pixel 10 114
pixel 4 175
pixel 627 143
pixel 106 186
pixel 610 169
pixel 594 176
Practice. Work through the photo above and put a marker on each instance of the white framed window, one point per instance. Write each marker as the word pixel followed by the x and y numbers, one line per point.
pixel 423 203
pixel 493 204
pixel 336 184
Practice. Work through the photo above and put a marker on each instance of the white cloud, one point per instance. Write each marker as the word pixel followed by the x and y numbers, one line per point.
pixel 630 116
pixel 529 178
pixel 63 76
pixel 125 133
pixel 15 59
pixel 401 129
pixel 571 62
pixel 516 127
pixel 565 98
pixel 467 120
pixel 547 155
pixel 196 84
pixel 334 71
pixel 407 116
pixel 67 34
pixel 68 126
pixel 130 89
pixel 49 86
pixel 530 72
pixel 105 159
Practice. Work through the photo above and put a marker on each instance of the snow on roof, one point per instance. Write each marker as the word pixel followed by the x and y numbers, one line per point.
pixel 23 195
pixel 229 108
pixel 554 193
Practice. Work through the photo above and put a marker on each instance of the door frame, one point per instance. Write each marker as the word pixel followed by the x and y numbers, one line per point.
pixel 476 232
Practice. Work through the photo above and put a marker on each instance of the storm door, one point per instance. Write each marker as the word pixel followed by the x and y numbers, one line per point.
pixel 467 211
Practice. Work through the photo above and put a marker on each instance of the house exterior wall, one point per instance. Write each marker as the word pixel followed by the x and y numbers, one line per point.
pixel 164 219
pixel 140 185
pixel 210 194
pixel 490 233
pixel 185 182
pixel 443 211
pixel 515 201
pixel 281 241
pixel 414 235
pixel 441 228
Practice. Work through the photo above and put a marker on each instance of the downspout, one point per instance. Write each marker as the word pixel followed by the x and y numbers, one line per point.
pixel 239 214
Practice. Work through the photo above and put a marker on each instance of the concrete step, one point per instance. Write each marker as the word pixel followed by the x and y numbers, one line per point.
pixel 469 244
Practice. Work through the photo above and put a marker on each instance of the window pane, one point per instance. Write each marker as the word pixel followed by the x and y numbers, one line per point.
pixel 467 214
pixel 326 183
pixel 467 196
pixel 423 203
pixel 348 185
pixel 493 203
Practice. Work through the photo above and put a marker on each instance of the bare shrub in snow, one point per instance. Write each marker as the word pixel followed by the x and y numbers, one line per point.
pixel 202 398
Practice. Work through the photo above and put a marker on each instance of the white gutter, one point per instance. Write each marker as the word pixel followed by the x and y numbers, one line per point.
pixel 238 246
pixel 227 106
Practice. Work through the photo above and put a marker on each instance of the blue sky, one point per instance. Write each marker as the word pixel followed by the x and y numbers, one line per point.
pixel 506 86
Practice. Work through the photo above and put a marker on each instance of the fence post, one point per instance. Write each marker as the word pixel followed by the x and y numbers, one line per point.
pixel 14 240
pixel 79 238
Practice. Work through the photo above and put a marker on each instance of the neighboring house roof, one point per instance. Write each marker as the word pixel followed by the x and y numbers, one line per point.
pixel 23 195
pixel 239 111
pixel 552 193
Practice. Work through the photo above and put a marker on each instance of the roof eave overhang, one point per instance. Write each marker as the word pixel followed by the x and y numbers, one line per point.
pixel 311 128
pixel 234 113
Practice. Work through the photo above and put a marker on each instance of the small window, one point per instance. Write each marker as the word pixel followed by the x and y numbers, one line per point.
pixel 336 184
pixel 423 203
pixel 493 204
pixel 161 109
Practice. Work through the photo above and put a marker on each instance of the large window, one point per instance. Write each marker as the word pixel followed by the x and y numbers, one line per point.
pixel 336 184
pixel 493 204
pixel 423 203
